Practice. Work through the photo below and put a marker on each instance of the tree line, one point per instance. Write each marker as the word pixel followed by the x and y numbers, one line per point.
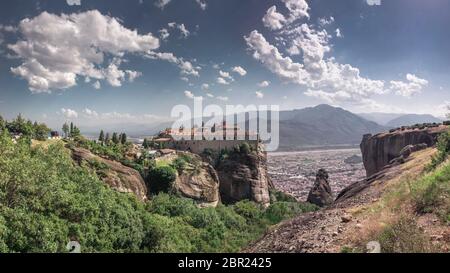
pixel 25 128
pixel 115 138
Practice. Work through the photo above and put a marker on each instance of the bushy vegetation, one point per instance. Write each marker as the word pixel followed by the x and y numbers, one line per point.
pixel 46 200
pixel 161 179
pixel 404 237
pixel 25 128
pixel 443 146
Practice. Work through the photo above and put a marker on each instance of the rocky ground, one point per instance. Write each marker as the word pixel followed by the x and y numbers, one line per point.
pixel 354 218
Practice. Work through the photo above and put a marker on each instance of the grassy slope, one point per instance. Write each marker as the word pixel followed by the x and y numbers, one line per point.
pixel 413 214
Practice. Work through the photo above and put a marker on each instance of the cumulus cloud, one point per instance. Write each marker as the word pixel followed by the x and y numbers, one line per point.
pixel 325 78
pixel 164 34
pixel 264 84
pixel 259 94
pixel 412 86
pixel 225 75
pixel 69 113
pixel 189 94
pixel 73 2
pixel 181 27
pixel 55 49
pixel 298 9
pixel 162 3
pixel 273 19
pixel 241 71
pixel 186 67
pixel 221 80
pixel 97 85
pixel 338 33
pixel 205 86
pixel 201 3
pixel 326 21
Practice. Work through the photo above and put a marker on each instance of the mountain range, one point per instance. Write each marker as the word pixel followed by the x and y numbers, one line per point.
pixel 310 127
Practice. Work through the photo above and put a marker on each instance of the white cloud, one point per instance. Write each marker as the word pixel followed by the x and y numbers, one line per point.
pixel 185 79
pixel 73 2
pixel 225 75
pixel 412 86
pixel 164 34
pixel 57 49
pixel 69 113
pixel 264 84
pixel 326 21
pixel 273 20
pixel 222 98
pixel 373 2
pixel 8 28
pixel 338 33
pixel 298 9
pixel 259 94
pixel 209 95
pixel 181 27
pixel 201 3
pixel 90 113
pixel 205 86
pixel 190 95
pixel 132 75
pixel 162 3
pixel 325 78
pixel 186 67
pixel 241 71
pixel 221 80
pixel 97 85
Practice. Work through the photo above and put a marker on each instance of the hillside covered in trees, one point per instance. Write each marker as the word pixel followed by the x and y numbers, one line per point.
pixel 47 200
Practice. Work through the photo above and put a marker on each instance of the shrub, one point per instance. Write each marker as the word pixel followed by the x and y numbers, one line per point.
pixel 403 237
pixel 161 179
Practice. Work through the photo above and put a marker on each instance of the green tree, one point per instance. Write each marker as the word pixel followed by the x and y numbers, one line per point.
pixel 41 131
pixel 123 138
pixel 115 138
pixel 71 129
pixel 107 139
pixel 66 129
pixel 161 179
pixel 101 137
pixel 145 144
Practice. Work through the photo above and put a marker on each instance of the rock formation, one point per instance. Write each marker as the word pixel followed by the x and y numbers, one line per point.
pixel 244 176
pixel 379 150
pixel 201 185
pixel 117 176
pixel 321 194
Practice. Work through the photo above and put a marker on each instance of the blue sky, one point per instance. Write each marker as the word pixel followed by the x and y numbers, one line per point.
pixel 391 57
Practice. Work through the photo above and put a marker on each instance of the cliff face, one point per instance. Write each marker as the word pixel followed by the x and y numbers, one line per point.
pixel 117 176
pixel 201 185
pixel 381 149
pixel 244 176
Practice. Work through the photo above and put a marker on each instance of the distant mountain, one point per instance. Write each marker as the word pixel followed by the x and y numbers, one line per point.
pixel 323 125
pixel 380 118
pixel 412 119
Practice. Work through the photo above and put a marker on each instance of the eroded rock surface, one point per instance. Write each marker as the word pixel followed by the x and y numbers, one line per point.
pixel 117 176
pixel 379 150
pixel 244 176
pixel 321 194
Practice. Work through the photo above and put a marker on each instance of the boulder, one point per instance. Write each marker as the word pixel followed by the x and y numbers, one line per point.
pixel 379 150
pixel 321 194
pixel 119 177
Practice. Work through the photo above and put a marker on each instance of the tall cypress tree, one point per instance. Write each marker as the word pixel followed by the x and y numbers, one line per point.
pixel 101 137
